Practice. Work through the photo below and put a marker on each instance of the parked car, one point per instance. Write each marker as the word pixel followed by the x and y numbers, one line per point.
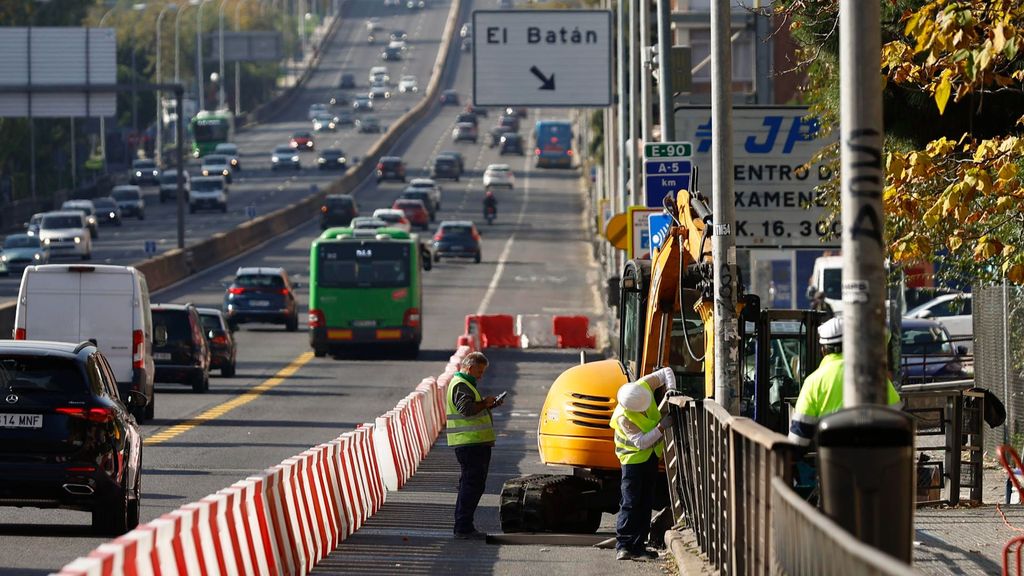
pixel 68 440
pixel 88 209
pixel 338 210
pixel 928 354
pixel 231 151
pixel 285 157
pixel 221 341
pixel 499 175
pixel 394 218
pixel 144 171
pixel 261 294
pixel 106 304
pixel 169 185
pixel 332 159
pixel 415 211
pixel 180 351
pixel 301 140
pixel 66 233
pixel 446 167
pixel 952 311
pixel 390 168
pixel 107 211
pixel 129 199
pixel 457 239
pixel 21 251
pixel 208 192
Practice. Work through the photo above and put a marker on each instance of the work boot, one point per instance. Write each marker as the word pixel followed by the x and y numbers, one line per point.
pixel 645 554
pixel 624 555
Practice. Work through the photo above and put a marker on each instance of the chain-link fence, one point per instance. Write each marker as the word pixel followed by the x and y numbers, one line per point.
pixel 998 313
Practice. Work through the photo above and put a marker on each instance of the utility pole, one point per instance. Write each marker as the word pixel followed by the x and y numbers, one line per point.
pixel 666 101
pixel 179 95
pixel 622 54
pixel 723 242
pixel 646 83
pixel 634 96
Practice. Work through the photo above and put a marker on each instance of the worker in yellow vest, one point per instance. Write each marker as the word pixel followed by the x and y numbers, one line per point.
pixel 471 434
pixel 639 427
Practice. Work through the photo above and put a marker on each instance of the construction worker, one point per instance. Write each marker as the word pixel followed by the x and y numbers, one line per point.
pixel 820 304
pixel 822 391
pixel 638 426
pixel 471 434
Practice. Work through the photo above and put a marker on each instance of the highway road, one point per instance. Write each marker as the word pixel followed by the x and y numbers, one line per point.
pixel 536 259
pixel 256 184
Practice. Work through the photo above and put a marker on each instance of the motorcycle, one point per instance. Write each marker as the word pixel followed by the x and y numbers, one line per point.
pixel 490 213
pixel 370 39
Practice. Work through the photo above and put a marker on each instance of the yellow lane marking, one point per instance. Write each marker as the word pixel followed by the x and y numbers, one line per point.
pixel 240 400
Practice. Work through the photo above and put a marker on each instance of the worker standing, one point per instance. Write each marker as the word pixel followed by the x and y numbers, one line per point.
pixel 639 427
pixel 471 434
pixel 822 391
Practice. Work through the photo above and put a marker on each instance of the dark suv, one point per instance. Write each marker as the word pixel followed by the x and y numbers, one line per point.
pixel 66 438
pixel 457 239
pixel 390 168
pixel 446 167
pixel 338 210
pixel 223 350
pixel 261 295
pixel 180 352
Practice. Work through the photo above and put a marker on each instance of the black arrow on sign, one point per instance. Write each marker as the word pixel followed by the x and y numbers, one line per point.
pixel 548 83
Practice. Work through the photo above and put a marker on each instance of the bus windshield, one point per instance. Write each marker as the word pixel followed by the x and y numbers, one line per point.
pixel 209 130
pixel 363 265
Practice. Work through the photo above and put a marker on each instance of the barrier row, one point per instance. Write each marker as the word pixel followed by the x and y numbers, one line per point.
pixel 286 519
pixel 527 331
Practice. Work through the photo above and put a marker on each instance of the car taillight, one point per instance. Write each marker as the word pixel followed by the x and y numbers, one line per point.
pixel 138 349
pixel 438 237
pixel 569 152
pixel 236 290
pixel 316 319
pixel 412 318
pixel 91 414
pixel 536 151
pixel 323 209
pixel 220 339
pixel 284 292
pixel 380 166
pixel 20 334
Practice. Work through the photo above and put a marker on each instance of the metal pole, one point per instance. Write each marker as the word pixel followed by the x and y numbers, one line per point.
pixel 220 50
pixel 200 88
pixel 634 95
pixel 665 89
pixel 723 242
pixel 103 119
pixel 238 79
pixel 179 95
pixel 645 71
pixel 159 78
pixel 31 122
pixel 763 56
pixel 864 287
pixel 620 132
pixel 74 157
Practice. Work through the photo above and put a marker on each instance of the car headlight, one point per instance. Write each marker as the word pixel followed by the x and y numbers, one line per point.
pixel 92 219
pixel 320 161
pixel 138 173
pixel 3 258
pixel 295 158
pixel 293 144
pixel 275 159
pixel 309 144
pixel 46 241
pixel 225 172
pixel 37 256
pixel 331 125
pixel 112 215
pixel 234 162
pixel 155 173
pixel 78 240
pixel 206 172
pixel 341 160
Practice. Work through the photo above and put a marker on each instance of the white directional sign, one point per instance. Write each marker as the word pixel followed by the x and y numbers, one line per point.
pixel 542 58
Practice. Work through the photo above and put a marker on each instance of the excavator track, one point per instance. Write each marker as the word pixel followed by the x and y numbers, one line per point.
pixel 550 503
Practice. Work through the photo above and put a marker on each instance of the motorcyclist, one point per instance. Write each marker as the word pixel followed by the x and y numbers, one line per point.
pixel 490 204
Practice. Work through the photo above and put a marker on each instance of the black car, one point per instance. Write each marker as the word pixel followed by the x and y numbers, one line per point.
pixel 510 121
pixel 368 125
pixel 510 143
pixel 468 117
pixel 450 97
pixel 107 211
pixel 348 80
pixel 424 196
pixel 338 210
pixel 446 167
pixel 390 168
pixel 344 118
pixel 332 159
pixel 478 110
pixel 67 440
pixel 223 350
pixel 144 171
pixel 180 352
pixel 457 239
pixel 398 35
pixel 496 133
pixel 457 156
pixel 129 200
pixel 391 54
pixel 261 294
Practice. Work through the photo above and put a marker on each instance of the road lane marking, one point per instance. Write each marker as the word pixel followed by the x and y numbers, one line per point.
pixel 240 400
pixel 500 269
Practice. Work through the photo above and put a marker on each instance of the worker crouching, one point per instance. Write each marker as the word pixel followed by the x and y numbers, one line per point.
pixel 639 428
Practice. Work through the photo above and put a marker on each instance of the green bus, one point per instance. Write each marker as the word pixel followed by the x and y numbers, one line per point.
pixel 365 287
pixel 210 128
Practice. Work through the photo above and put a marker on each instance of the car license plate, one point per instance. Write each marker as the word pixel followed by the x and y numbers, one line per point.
pixel 364 323
pixel 260 303
pixel 161 355
pixel 458 248
pixel 21 420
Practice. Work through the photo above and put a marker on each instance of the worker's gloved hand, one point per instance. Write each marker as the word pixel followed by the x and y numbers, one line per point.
pixel 667 422
pixel 666 377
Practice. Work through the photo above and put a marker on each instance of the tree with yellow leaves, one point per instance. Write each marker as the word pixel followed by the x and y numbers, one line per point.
pixel 954 109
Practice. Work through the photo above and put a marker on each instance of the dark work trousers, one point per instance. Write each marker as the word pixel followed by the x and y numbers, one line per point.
pixel 474 462
pixel 634 521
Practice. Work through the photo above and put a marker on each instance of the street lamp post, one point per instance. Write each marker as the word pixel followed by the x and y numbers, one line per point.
pixel 220 50
pixel 103 119
pixel 199 55
pixel 238 81
pixel 159 79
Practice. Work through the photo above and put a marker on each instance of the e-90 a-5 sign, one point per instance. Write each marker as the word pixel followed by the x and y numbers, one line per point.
pixel 542 58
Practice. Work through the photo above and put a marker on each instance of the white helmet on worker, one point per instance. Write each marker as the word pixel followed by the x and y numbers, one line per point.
pixel 634 397
pixel 831 332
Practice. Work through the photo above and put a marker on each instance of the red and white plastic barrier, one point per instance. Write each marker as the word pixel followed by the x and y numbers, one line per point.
pixel 283 521
pixel 528 331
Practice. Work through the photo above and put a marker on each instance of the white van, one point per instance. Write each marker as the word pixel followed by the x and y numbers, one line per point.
pixel 828 278
pixel 108 304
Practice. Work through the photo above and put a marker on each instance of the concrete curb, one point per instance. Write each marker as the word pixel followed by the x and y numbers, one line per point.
pixel 683 546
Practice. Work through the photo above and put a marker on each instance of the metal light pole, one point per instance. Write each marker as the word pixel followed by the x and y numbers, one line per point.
pixel 723 242
pixel 621 68
pixel 645 71
pixel 103 119
pixel 238 79
pixel 159 79
pixel 666 100
pixel 199 56
pixel 220 50
pixel 634 97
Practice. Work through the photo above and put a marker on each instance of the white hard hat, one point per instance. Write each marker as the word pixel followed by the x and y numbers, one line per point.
pixel 831 332
pixel 634 397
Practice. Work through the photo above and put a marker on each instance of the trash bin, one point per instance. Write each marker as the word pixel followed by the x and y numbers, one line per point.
pixel 866 464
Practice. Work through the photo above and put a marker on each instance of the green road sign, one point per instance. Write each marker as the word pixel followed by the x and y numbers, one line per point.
pixel 668 150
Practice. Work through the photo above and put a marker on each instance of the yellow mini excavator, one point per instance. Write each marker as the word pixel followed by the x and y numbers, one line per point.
pixel 665 319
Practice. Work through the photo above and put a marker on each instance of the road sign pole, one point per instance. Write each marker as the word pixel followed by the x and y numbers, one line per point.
pixel 723 242
pixel 634 112
pixel 645 70
pixel 621 54
pixel 179 95
pixel 665 88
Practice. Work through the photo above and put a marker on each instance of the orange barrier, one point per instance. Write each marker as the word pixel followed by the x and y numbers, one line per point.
pixel 495 330
pixel 573 332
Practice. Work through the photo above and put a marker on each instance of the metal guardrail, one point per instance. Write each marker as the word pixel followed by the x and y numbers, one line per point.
pixel 729 482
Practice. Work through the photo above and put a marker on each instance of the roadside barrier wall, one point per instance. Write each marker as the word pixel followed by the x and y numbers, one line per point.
pixel 289 517
pixel 527 331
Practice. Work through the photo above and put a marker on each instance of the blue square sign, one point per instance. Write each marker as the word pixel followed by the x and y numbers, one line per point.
pixel 659 225
pixel 662 177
